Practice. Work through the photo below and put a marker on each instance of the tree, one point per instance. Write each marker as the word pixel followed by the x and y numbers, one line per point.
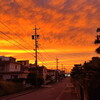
pixel 97 41
pixel 31 78
pixel 98 50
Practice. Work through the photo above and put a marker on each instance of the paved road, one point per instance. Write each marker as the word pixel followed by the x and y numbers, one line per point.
pixel 63 90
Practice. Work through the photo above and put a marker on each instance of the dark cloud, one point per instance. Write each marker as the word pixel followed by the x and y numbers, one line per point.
pixel 9 7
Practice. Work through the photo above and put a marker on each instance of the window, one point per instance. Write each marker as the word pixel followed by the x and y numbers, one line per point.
pixel 15 66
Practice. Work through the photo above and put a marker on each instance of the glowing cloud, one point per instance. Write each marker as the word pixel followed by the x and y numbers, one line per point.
pixel 66 26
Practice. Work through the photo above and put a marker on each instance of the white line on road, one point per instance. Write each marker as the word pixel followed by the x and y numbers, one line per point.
pixel 68 89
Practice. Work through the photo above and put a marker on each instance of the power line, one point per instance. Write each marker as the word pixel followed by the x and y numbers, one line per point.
pixel 43 62
pixel 42 55
pixel 16 45
pixel 42 58
pixel 47 53
pixel 11 38
pixel 15 34
pixel 15 41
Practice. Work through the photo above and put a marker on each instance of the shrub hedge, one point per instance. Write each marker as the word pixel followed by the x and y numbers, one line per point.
pixel 7 87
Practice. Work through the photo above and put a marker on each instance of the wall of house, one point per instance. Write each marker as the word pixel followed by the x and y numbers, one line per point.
pixel 24 75
pixel 24 63
pixel 6 76
pixel 2 68
pixel 14 67
pixel 44 73
pixel 12 76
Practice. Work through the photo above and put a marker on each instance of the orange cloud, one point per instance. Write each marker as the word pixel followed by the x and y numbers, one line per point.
pixel 57 2
pixel 66 27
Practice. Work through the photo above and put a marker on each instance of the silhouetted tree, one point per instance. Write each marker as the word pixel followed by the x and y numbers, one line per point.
pixel 88 77
pixel 31 78
pixel 98 50
pixel 97 41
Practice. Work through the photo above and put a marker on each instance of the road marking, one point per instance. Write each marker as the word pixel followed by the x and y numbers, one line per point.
pixel 69 88
pixel 58 97
pixel 68 85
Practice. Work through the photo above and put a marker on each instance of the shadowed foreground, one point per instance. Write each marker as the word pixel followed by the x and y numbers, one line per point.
pixel 63 90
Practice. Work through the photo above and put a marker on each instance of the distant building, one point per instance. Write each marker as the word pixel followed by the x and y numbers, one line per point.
pixel 51 74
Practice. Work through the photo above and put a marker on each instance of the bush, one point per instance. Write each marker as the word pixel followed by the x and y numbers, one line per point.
pixel 9 88
pixel 31 78
pixel 40 81
pixel 18 80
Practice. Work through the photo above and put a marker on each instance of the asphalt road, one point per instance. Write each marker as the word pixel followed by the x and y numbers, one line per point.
pixel 63 90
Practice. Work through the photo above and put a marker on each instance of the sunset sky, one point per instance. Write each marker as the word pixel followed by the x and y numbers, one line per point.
pixel 67 30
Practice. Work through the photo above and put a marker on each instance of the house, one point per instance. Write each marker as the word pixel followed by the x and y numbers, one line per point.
pixel 41 70
pixel 24 63
pixel 51 74
pixel 11 69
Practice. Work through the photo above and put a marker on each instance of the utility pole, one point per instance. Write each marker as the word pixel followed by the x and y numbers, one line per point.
pixel 36 37
pixel 57 69
pixel 57 63
pixel 62 67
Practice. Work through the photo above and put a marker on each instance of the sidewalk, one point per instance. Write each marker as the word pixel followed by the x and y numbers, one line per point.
pixel 17 94
pixel 69 93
